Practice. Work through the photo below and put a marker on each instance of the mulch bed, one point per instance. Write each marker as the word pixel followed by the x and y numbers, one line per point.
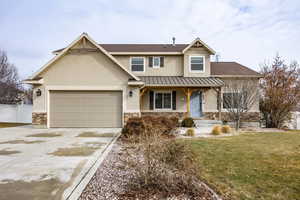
pixel 112 177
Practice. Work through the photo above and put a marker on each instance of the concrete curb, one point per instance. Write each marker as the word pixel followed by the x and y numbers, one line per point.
pixel 215 195
pixel 81 181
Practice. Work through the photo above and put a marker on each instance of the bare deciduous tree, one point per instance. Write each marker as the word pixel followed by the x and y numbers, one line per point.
pixel 239 97
pixel 280 91
pixel 9 81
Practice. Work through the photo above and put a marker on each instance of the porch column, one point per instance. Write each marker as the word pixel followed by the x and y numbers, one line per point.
pixel 142 92
pixel 188 93
pixel 219 103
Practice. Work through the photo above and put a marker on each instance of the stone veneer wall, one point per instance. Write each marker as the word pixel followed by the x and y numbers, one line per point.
pixel 129 115
pixel 247 117
pixel 39 119
pixel 180 115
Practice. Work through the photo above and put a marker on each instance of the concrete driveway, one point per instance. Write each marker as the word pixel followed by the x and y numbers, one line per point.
pixel 47 163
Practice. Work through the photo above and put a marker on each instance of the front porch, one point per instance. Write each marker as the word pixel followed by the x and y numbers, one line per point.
pixel 199 98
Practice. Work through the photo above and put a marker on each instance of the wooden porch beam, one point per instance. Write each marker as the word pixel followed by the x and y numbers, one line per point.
pixel 188 104
pixel 142 92
pixel 219 99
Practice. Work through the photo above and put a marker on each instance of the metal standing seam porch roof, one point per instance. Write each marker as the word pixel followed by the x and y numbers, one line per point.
pixel 179 81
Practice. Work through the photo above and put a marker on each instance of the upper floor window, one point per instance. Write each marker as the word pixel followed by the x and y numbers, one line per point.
pixel 156 61
pixel 137 64
pixel 197 63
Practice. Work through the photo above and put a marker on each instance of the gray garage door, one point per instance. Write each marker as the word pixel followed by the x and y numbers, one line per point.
pixel 85 109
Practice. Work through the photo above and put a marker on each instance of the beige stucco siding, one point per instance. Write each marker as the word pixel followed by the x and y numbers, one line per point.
pixel 196 52
pixel 92 68
pixel 173 66
pixel 85 71
pixel 210 101
pixel 133 102
pixel 255 107
pixel 39 102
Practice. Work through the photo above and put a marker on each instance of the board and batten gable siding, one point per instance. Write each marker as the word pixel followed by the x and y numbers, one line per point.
pixel 173 65
pixel 195 52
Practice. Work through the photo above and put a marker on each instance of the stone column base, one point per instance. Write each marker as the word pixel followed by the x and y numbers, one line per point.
pixel 129 115
pixel 179 115
pixel 39 119
pixel 246 117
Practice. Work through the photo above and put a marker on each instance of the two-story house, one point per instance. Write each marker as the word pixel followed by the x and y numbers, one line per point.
pixel 101 85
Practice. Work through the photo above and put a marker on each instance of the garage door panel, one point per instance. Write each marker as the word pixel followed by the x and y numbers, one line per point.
pixel 85 109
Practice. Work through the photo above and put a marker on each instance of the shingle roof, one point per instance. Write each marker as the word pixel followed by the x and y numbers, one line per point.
pixel 179 81
pixel 141 47
pixel 231 68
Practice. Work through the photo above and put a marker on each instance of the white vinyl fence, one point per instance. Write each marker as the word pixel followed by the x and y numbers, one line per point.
pixel 298 121
pixel 295 121
pixel 21 113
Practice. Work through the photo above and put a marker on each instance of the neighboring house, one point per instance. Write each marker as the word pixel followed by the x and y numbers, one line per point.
pixel 101 85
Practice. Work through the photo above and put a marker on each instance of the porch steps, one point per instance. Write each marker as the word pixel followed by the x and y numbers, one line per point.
pixel 207 123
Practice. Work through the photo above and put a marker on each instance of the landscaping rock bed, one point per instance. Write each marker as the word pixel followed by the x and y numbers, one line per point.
pixel 112 177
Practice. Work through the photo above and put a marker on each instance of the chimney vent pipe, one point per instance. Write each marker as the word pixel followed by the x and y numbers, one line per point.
pixel 174 39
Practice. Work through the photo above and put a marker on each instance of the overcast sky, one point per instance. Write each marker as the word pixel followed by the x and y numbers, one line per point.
pixel 246 31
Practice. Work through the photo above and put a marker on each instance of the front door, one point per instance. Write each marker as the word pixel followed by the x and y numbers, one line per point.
pixel 196 104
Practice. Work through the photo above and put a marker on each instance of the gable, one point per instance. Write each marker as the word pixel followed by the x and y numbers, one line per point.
pixel 83 44
pixel 198 44
pixel 89 68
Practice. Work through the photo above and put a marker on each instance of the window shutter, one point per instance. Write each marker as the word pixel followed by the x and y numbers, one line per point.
pixel 151 61
pixel 151 100
pixel 162 60
pixel 174 100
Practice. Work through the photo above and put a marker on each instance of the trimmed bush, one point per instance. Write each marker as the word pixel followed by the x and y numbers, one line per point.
pixel 188 122
pixel 217 130
pixel 226 129
pixel 138 128
pixel 190 132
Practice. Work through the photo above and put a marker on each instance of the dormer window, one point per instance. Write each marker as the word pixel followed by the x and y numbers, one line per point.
pixel 197 63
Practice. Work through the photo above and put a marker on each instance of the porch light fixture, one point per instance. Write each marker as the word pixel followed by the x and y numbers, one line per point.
pixel 130 93
pixel 38 92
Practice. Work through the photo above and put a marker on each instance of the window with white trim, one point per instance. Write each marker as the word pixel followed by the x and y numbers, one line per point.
pixel 197 63
pixel 137 64
pixel 156 62
pixel 163 100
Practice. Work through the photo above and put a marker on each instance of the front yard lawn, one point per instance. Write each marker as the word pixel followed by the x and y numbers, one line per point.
pixel 9 124
pixel 252 166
